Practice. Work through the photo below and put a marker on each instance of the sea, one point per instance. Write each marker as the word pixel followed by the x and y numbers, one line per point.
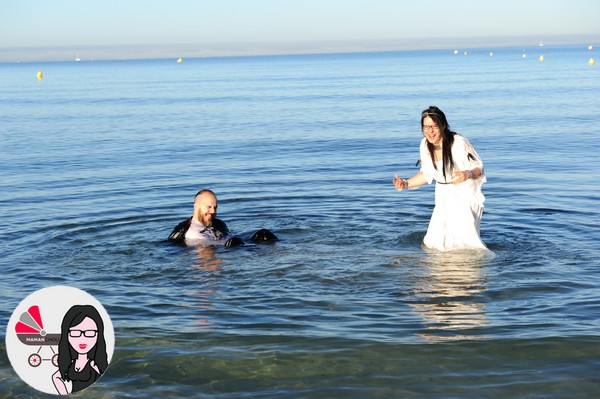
pixel 100 160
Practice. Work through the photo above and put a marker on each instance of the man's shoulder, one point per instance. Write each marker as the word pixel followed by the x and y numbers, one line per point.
pixel 220 225
pixel 178 233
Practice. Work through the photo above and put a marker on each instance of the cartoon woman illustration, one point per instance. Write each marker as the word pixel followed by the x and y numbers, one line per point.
pixel 82 357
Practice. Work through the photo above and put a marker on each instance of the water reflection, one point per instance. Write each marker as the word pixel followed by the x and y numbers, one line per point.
pixel 448 294
pixel 206 259
pixel 208 267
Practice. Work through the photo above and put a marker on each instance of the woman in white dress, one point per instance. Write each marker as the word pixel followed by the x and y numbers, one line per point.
pixel 450 160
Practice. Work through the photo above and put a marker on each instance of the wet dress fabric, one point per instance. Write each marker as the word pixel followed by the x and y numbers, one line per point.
pixel 458 208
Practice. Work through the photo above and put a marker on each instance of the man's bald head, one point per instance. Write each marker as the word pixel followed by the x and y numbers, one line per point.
pixel 205 207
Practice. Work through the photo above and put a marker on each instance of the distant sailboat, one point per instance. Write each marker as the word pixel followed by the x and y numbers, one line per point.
pixel 77 59
pixel 180 59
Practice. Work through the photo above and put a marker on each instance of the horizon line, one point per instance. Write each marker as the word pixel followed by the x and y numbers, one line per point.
pixel 29 54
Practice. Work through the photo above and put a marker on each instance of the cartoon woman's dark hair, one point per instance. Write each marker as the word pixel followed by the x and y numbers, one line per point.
pixel 66 354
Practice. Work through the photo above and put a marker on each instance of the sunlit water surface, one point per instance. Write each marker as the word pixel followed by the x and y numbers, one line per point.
pixel 100 160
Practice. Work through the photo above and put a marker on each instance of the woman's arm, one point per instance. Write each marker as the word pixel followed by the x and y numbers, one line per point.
pixel 464 175
pixel 59 383
pixel 416 181
pixel 467 160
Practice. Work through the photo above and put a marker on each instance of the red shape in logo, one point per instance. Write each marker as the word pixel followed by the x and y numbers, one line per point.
pixel 22 328
pixel 30 322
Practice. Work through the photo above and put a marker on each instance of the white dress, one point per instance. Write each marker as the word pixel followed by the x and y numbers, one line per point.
pixel 458 208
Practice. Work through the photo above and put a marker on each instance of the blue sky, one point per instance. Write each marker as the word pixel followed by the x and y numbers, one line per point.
pixel 51 23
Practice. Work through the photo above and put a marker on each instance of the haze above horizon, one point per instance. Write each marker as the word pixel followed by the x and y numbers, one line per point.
pixel 37 30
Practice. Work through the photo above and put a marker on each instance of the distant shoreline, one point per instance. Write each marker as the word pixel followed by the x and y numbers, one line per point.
pixel 212 50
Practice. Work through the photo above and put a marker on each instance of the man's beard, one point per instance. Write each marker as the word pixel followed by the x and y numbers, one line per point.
pixel 207 221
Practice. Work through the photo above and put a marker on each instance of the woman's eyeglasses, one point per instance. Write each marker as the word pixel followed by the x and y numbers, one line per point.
pixel 427 128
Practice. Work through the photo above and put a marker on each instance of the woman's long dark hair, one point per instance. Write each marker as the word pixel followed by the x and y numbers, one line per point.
pixel 447 138
pixel 66 354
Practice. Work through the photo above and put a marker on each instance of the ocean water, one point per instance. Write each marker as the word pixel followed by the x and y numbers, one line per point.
pixel 100 160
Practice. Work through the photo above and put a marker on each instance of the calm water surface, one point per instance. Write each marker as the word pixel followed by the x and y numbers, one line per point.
pixel 100 160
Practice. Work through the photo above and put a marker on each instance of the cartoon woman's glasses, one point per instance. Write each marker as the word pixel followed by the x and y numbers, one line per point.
pixel 427 128
pixel 85 333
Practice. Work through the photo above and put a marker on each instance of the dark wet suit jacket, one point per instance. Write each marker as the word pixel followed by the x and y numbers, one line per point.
pixel 220 231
